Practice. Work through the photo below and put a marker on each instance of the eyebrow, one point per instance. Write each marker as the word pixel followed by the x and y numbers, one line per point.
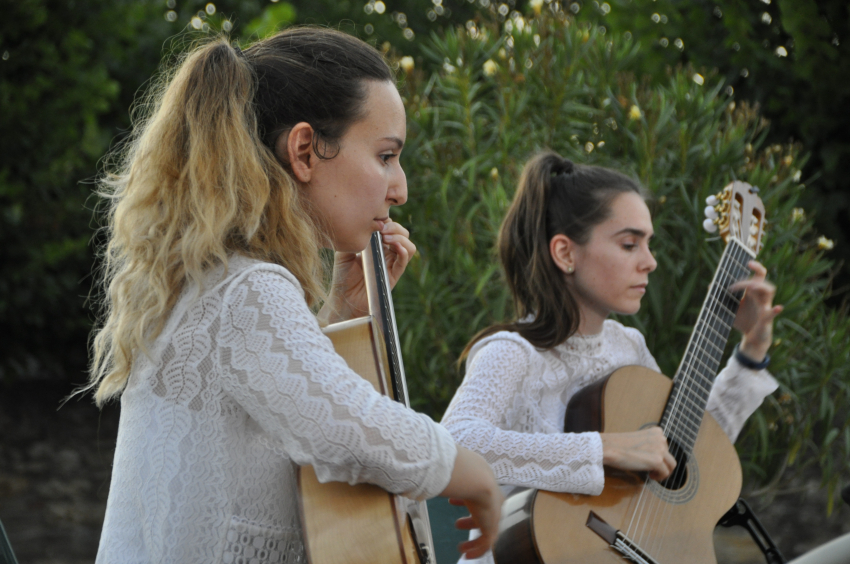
pixel 398 142
pixel 633 231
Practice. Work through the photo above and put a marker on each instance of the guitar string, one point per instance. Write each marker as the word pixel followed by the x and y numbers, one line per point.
pixel 717 312
pixel 638 520
pixel 655 509
pixel 733 271
pixel 720 314
pixel 648 513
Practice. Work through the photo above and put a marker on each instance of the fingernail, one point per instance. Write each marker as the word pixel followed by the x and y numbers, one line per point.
pixel 388 238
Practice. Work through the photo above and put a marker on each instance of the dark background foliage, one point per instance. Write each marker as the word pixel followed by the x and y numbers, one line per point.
pixel 70 71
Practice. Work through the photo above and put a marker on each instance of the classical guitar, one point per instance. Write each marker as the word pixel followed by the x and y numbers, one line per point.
pixel 345 524
pixel 636 519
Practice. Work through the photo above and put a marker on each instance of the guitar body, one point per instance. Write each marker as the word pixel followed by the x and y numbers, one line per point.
pixel 363 524
pixel 673 526
pixel 345 524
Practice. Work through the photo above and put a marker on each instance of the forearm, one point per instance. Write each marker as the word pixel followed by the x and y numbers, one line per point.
pixel 736 395
pixel 561 462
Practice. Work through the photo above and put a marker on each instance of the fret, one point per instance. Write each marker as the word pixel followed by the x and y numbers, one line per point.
pixel 689 411
pixel 712 341
pixel 705 356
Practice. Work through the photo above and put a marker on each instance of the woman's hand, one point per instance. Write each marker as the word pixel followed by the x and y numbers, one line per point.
pixel 643 451
pixel 473 485
pixel 756 313
pixel 348 298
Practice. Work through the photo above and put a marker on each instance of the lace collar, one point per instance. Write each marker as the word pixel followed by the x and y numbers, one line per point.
pixel 584 345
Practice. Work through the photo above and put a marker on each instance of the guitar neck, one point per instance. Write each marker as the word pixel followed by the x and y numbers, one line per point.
pixel 381 309
pixel 695 375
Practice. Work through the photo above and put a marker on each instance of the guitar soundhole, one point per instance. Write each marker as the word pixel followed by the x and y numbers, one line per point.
pixel 679 476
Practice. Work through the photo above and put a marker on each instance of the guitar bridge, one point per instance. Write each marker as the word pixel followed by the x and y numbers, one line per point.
pixel 618 541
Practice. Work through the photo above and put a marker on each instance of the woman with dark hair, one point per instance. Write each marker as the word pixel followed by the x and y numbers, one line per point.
pixel 574 247
pixel 243 166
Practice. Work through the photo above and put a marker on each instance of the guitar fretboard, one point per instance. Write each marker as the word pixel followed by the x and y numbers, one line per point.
pixel 387 322
pixel 695 376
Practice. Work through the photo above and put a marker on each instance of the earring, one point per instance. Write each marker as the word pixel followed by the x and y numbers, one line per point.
pixel 570 269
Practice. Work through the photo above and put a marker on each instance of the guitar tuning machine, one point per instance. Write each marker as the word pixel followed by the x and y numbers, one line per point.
pixel 715 206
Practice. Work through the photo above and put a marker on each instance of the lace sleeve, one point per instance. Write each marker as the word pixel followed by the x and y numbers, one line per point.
pixel 283 371
pixel 737 393
pixel 562 462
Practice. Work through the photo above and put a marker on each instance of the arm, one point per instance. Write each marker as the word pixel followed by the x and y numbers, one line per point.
pixel 551 461
pixel 739 391
pixel 279 367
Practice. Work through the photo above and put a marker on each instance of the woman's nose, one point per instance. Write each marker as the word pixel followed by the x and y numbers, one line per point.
pixel 650 262
pixel 397 193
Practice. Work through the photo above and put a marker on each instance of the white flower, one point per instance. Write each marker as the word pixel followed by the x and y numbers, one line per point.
pixel 406 63
pixel 635 113
pixel 798 214
pixel 490 67
pixel 825 244
pixel 536 5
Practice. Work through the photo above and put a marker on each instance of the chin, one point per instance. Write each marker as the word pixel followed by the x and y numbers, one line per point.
pixel 352 246
pixel 632 310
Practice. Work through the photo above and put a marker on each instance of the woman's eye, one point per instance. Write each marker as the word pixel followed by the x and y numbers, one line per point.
pixel 386 158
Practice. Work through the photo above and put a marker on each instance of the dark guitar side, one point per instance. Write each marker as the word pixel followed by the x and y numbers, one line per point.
pixel 543 527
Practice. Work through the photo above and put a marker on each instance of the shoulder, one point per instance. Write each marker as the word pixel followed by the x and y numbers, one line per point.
pixel 503 345
pixel 243 271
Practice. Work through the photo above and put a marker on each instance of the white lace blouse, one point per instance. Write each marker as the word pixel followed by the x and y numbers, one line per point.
pixel 240 387
pixel 511 405
pixel 512 389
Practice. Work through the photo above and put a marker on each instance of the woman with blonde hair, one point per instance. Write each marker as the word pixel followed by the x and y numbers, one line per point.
pixel 245 165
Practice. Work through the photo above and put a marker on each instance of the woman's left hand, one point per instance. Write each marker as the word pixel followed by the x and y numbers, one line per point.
pixel 756 312
pixel 348 298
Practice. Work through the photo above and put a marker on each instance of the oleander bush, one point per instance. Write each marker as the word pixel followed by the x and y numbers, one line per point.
pixel 502 92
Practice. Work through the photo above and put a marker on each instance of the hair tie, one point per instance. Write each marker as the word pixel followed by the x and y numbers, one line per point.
pixel 562 169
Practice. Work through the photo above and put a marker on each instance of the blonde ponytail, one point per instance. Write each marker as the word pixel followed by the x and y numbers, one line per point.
pixel 194 185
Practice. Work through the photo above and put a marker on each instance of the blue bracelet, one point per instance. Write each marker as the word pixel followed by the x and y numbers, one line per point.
pixel 747 362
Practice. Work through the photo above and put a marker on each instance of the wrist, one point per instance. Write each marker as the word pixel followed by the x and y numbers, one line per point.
pixel 747 361
pixel 609 452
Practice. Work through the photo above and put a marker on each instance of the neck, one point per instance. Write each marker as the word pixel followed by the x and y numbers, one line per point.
pixel 591 321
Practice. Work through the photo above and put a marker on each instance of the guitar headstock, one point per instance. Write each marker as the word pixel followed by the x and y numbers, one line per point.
pixel 738 213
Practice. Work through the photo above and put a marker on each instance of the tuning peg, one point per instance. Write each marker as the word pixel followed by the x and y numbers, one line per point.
pixel 709 225
pixel 712 201
pixel 710 213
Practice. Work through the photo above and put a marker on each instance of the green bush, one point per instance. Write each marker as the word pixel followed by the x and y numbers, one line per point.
pixel 503 93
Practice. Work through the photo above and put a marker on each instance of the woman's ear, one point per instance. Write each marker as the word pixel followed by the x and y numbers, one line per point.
pixel 562 250
pixel 295 148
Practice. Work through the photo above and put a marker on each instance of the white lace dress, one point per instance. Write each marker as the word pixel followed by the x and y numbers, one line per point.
pixel 241 387
pixel 510 407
